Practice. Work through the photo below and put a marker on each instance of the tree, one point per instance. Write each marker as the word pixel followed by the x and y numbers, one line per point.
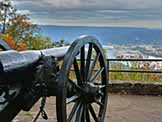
pixel 7 12
pixel 39 42
pixel 61 43
pixel 8 40
pixel 16 46
pixel 20 29
pixel 16 25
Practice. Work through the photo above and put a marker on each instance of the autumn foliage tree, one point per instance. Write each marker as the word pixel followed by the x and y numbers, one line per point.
pixel 16 46
pixel 18 31
pixel 21 29
pixel 8 40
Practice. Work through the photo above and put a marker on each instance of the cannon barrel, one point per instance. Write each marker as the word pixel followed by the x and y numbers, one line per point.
pixel 11 59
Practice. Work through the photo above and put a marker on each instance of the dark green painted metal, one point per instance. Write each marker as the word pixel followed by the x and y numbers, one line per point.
pixel 12 109
pixel 83 91
pixel 35 74
pixel 11 60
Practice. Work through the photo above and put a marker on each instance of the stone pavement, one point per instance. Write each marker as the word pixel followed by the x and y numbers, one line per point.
pixel 121 108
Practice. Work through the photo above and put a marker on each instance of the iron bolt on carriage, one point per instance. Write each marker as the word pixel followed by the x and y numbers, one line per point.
pixel 76 75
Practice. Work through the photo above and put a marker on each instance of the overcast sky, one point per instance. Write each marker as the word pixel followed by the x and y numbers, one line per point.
pixel 134 13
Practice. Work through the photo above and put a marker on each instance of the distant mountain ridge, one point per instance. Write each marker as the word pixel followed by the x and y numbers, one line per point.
pixel 115 35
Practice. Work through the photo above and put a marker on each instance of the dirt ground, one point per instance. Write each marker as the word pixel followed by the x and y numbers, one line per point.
pixel 121 108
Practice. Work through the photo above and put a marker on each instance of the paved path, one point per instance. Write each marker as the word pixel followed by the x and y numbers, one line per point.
pixel 121 108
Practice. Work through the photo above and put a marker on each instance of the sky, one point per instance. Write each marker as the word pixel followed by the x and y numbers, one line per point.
pixel 130 13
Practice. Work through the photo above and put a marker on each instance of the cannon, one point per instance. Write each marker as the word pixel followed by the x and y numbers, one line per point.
pixel 76 75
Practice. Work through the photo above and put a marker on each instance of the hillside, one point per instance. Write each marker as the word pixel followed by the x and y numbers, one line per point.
pixel 115 35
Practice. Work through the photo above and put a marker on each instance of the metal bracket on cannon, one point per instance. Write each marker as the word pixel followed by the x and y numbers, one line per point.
pixel 45 83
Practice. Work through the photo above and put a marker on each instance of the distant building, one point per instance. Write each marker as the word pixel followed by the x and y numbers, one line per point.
pixel 155 65
pixel 130 55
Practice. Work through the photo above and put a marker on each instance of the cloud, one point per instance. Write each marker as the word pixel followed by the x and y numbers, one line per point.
pixel 99 12
pixel 93 4
pixel 134 23
pixel 24 12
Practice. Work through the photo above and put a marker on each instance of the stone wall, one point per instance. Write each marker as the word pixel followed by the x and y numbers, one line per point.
pixel 135 87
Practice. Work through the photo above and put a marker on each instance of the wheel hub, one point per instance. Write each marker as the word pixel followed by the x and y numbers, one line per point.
pixel 90 93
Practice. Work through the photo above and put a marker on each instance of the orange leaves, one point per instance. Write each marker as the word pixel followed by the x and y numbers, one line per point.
pixel 21 46
pixel 16 46
pixel 9 40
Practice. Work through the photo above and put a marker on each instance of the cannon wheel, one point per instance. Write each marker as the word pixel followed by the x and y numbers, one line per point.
pixel 82 84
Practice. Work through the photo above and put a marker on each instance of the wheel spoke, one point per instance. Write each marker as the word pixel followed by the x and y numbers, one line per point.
pixel 83 119
pixel 77 71
pixel 93 66
pixel 79 113
pixel 88 61
pixel 87 114
pixel 82 59
pixel 99 103
pixel 93 113
pixel 73 111
pixel 72 99
pixel 74 85
pixel 98 73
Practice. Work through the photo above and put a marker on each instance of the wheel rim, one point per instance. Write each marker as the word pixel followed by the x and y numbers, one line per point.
pixel 82 96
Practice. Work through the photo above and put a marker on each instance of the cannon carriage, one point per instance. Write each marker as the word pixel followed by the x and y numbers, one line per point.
pixel 76 75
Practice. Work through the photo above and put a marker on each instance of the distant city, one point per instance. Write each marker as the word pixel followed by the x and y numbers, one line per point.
pixel 121 42
pixel 118 42
pixel 136 51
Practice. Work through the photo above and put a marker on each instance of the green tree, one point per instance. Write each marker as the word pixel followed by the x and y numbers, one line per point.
pixel 39 42
pixel 61 43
